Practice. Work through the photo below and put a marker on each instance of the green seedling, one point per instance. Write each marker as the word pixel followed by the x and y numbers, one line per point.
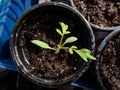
pixel 84 53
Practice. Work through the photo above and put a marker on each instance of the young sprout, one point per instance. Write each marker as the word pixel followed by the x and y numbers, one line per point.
pixel 84 53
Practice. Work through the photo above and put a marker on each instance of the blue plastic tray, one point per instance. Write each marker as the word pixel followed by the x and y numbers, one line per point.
pixel 10 11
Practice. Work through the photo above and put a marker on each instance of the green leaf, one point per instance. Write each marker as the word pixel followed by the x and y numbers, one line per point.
pixel 71 49
pixel 41 44
pixel 64 27
pixel 59 32
pixel 85 50
pixel 70 40
pixel 67 32
pixel 89 56
pixel 74 47
pixel 82 55
pixel 85 54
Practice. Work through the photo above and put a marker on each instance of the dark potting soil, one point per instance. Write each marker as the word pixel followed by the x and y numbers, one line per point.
pixel 110 64
pixel 45 63
pixel 104 13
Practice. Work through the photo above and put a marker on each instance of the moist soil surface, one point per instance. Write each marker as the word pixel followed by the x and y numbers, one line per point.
pixel 45 63
pixel 104 13
pixel 110 64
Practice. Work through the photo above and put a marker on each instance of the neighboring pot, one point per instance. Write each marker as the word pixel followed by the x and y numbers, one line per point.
pixel 44 18
pixel 105 8
pixel 108 62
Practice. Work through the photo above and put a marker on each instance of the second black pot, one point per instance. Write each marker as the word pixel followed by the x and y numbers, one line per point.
pixel 97 27
pixel 107 64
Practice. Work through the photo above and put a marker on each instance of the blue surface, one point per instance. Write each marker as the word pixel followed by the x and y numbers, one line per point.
pixel 10 11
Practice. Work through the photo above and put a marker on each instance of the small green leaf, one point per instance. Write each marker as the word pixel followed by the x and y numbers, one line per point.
pixel 85 50
pixel 41 44
pixel 64 27
pixel 85 54
pixel 90 56
pixel 82 55
pixel 67 32
pixel 70 40
pixel 71 49
pixel 74 47
pixel 59 32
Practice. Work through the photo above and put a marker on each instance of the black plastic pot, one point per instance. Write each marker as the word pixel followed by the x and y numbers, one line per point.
pixel 99 71
pixel 94 25
pixel 83 28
